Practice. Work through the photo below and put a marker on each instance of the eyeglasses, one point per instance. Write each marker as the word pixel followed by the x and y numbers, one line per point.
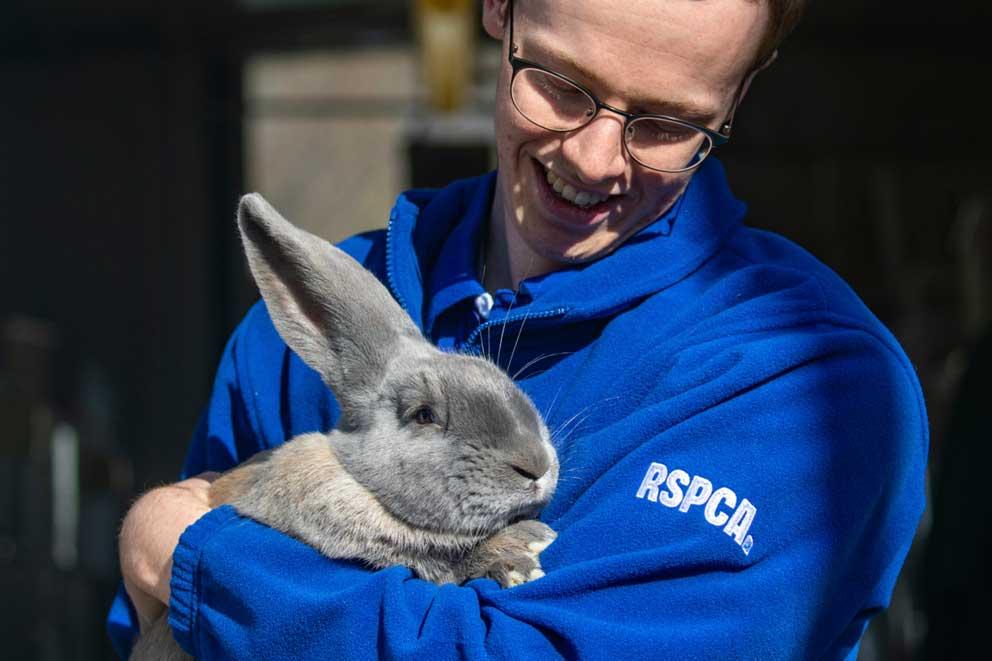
pixel 555 102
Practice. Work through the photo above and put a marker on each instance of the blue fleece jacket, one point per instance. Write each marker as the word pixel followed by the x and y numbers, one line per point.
pixel 742 452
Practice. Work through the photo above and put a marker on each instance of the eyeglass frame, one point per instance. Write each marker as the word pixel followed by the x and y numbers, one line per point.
pixel 717 138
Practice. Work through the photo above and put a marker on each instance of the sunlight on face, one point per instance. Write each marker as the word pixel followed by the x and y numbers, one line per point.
pixel 577 196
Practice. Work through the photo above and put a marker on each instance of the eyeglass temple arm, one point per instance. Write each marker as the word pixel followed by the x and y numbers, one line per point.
pixel 509 17
pixel 727 125
pixel 725 128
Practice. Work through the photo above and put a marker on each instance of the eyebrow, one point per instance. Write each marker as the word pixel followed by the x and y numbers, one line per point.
pixel 677 109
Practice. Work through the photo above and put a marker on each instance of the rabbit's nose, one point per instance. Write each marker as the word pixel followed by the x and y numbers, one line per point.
pixel 533 464
pixel 524 472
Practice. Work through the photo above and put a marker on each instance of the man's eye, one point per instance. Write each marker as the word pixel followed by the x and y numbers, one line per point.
pixel 669 134
pixel 424 416
pixel 558 88
pixel 659 131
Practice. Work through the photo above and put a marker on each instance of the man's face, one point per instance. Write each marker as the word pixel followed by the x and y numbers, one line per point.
pixel 684 58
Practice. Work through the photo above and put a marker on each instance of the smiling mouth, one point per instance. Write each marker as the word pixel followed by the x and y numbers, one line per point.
pixel 579 207
pixel 580 198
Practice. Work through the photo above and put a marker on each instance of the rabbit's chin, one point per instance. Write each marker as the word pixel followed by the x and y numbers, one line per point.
pixel 526 513
pixel 485 526
pixel 521 514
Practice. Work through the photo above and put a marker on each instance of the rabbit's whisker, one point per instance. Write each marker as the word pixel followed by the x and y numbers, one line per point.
pixel 502 331
pixel 484 346
pixel 489 337
pixel 565 424
pixel 554 400
pixel 575 427
pixel 515 342
pixel 513 301
pixel 538 359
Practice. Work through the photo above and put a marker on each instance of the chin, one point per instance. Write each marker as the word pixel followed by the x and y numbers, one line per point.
pixel 563 248
pixel 557 250
pixel 582 255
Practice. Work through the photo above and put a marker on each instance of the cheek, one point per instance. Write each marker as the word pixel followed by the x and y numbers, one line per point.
pixel 661 189
pixel 513 133
pixel 505 122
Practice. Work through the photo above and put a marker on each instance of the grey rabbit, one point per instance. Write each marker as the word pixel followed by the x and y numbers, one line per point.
pixel 439 462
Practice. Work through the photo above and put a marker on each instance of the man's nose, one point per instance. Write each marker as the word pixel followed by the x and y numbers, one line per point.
pixel 595 151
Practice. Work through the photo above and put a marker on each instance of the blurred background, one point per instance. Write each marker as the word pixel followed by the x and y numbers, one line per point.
pixel 128 129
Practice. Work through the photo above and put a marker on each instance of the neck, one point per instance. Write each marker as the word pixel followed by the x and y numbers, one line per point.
pixel 508 259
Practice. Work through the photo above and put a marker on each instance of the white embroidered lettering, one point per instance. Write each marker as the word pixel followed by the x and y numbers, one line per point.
pixel 678 489
pixel 722 494
pixel 673 496
pixel 649 485
pixel 741 521
pixel 698 493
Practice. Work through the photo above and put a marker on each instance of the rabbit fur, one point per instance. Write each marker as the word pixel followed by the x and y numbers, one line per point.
pixel 439 462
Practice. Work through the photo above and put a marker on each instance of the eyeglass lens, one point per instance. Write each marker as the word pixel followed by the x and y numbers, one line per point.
pixel 554 103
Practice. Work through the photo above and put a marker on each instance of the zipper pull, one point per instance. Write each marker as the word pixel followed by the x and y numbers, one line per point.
pixel 484 305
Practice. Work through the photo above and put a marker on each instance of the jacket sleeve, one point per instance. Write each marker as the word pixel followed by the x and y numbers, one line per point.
pixel 769 523
pixel 246 414
pixel 223 438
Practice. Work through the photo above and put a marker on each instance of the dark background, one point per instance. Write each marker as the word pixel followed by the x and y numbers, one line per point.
pixel 122 155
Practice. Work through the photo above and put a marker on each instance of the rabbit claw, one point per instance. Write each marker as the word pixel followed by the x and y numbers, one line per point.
pixel 537 547
pixel 511 556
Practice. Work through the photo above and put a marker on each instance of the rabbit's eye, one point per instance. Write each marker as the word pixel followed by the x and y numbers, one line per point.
pixel 424 416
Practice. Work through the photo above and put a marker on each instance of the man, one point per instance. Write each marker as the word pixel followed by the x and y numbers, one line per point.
pixel 742 443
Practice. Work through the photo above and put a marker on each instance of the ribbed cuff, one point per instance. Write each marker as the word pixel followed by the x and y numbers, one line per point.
pixel 184 587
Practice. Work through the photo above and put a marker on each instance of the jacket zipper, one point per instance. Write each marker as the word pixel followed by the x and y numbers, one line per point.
pixel 506 321
pixel 474 335
pixel 390 280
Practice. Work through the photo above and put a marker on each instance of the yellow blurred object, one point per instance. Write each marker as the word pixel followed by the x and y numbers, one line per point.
pixel 446 32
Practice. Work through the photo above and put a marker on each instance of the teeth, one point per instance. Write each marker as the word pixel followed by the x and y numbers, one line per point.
pixel 568 192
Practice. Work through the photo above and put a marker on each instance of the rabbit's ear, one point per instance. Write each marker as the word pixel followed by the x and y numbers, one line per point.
pixel 332 312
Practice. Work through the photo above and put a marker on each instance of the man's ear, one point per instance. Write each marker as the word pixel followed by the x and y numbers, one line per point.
pixel 754 72
pixel 494 17
pixel 746 85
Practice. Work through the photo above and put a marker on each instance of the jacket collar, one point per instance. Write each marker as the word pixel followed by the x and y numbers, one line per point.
pixel 433 240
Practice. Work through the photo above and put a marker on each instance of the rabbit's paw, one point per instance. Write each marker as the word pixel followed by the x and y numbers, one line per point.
pixel 511 556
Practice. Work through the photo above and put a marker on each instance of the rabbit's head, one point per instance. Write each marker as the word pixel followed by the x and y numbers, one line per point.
pixel 445 441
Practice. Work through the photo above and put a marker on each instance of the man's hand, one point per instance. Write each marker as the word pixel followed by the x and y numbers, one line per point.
pixel 149 536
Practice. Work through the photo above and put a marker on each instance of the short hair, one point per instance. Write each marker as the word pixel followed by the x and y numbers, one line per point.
pixel 783 15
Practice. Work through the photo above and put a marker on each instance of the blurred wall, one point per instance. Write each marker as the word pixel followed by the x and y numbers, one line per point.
pixel 115 164
pixel 119 163
pixel 864 144
pixel 324 134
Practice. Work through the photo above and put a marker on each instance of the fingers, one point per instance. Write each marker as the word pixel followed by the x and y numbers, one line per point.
pixel 150 532
pixel 197 487
pixel 149 608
